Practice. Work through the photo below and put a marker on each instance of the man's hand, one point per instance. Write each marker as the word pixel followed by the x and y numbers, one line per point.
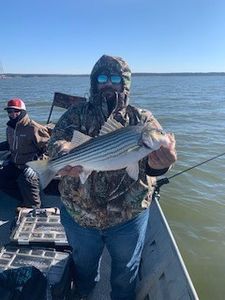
pixel 163 157
pixel 64 147
pixel 70 171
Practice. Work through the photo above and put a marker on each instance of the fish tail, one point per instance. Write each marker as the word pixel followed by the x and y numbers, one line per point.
pixel 44 171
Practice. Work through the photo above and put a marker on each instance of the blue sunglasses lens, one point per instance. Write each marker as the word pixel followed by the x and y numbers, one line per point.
pixel 102 78
pixel 115 79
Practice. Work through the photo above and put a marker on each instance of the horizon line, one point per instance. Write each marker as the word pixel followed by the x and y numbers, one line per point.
pixel 133 73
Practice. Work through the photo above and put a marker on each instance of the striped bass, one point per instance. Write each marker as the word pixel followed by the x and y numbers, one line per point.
pixel 115 148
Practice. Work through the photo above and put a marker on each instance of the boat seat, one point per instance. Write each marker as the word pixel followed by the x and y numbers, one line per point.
pixel 64 101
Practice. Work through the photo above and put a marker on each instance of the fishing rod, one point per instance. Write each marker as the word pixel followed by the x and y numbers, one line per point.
pixel 195 166
pixel 166 180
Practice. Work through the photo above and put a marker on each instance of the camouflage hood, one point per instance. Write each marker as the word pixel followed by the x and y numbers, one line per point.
pixel 111 65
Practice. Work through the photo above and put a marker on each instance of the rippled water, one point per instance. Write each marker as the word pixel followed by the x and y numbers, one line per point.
pixel 193 107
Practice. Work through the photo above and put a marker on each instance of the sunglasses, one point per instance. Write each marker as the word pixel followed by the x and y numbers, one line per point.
pixel 12 110
pixel 115 79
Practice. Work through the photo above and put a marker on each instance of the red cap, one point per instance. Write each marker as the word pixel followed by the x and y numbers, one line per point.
pixel 16 103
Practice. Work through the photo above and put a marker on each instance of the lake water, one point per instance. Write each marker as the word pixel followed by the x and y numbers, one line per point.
pixel 193 107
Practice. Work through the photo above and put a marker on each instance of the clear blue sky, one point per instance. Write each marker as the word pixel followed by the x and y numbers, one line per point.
pixel 68 36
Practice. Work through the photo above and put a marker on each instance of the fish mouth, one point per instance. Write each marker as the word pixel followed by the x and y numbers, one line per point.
pixel 148 144
pixel 155 140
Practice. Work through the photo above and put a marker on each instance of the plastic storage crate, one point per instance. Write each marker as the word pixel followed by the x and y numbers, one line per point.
pixel 39 227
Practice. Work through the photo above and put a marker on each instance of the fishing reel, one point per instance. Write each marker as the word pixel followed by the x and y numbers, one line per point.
pixel 157 185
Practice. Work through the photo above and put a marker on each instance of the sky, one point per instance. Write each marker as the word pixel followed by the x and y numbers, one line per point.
pixel 69 36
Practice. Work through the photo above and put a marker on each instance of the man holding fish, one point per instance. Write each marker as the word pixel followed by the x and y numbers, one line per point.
pixel 108 153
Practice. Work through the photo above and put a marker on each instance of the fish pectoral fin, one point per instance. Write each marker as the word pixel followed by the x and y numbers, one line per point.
pixel 84 175
pixel 133 171
pixel 134 148
pixel 79 138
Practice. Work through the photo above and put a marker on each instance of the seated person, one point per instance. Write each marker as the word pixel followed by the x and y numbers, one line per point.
pixel 26 140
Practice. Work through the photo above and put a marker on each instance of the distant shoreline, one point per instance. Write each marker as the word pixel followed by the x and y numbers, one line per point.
pixel 135 74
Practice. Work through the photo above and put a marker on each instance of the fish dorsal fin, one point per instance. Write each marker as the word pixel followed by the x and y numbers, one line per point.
pixel 79 138
pixel 109 126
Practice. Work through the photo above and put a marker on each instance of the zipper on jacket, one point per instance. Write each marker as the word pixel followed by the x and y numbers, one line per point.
pixel 15 144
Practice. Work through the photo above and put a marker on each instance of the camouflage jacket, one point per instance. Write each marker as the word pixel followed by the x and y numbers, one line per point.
pixel 112 197
pixel 106 198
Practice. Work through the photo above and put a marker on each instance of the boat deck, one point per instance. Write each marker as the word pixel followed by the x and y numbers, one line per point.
pixel 162 275
pixel 7 216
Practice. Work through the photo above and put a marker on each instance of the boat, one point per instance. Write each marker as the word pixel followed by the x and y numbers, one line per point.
pixel 162 274
pixel 2 74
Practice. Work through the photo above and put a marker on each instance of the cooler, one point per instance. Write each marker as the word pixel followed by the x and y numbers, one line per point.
pixel 55 265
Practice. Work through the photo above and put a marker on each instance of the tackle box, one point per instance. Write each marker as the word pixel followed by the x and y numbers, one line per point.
pixel 55 265
pixel 39 227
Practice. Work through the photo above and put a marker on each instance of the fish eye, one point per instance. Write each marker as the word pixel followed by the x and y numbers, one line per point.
pixel 162 132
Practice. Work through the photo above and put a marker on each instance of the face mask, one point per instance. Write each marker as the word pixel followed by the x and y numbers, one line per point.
pixel 111 98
